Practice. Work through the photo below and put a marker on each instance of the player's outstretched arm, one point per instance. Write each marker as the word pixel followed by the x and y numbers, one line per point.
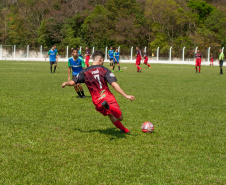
pixel 69 83
pixel 119 90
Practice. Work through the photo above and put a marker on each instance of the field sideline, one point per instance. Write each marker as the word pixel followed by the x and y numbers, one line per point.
pixel 49 136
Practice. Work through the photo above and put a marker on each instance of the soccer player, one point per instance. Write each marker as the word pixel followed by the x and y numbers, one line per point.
pixel 55 49
pixel 198 57
pixel 111 56
pixel 116 60
pixel 52 59
pixel 145 57
pixel 138 55
pixel 87 55
pixel 211 59
pixel 96 77
pixel 79 53
pixel 221 61
pixel 77 65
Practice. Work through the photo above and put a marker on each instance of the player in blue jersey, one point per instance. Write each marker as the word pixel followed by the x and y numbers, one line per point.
pixel 77 64
pixel 52 59
pixel 111 56
pixel 58 56
pixel 79 53
pixel 116 60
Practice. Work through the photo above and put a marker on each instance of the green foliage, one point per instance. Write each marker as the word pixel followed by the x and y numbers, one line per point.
pixel 216 23
pixel 112 22
pixel 44 34
pixel 96 28
pixel 201 7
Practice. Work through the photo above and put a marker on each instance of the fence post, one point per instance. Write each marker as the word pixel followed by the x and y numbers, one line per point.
pixel 41 51
pixel 119 49
pixel 208 55
pixel 223 50
pixel 106 53
pixel 145 49
pixel 183 53
pixel 93 49
pixel 196 49
pixel 80 49
pixel 14 51
pixel 158 54
pixel 27 51
pixel 170 54
pixel 132 53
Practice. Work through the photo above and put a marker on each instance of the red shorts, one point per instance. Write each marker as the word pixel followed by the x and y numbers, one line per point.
pixel 87 59
pixel 198 62
pixel 138 61
pixel 111 103
pixel 146 61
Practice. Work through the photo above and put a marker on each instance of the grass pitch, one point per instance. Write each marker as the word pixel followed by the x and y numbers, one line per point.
pixel 49 136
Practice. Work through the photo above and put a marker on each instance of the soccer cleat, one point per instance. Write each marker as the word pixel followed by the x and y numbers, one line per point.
pixel 112 71
pixel 126 131
pixel 83 96
pixel 120 70
pixel 105 104
pixel 140 70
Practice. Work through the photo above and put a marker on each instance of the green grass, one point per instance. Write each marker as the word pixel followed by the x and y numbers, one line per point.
pixel 49 136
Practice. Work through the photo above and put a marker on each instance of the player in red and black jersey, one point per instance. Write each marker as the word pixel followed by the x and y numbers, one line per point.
pixel 145 57
pixel 138 55
pixel 87 55
pixel 96 78
pixel 198 57
pixel 211 59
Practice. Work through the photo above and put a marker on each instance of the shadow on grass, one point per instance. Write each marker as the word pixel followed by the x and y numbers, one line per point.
pixel 114 132
pixel 87 97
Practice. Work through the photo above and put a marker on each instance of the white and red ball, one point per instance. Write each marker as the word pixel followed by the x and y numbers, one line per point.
pixel 147 127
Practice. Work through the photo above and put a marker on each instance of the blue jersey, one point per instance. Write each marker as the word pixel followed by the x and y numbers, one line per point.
pixel 116 55
pixel 52 55
pixel 111 53
pixel 79 53
pixel 76 65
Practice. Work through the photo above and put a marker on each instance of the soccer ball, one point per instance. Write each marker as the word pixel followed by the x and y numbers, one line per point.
pixel 147 127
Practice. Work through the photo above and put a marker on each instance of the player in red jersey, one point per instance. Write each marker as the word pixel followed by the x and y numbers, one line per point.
pixel 211 59
pixel 145 57
pixel 198 57
pixel 87 55
pixel 96 77
pixel 138 55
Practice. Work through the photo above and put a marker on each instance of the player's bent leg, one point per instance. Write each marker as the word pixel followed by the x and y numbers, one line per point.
pixel 116 112
pixel 81 91
pixel 77 90
pixel 120 118
pixel 118 124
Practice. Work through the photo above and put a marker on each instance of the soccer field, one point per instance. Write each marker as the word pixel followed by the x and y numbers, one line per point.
pixel 49 136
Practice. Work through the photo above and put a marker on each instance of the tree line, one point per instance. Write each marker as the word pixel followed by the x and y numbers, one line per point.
pixel 124 23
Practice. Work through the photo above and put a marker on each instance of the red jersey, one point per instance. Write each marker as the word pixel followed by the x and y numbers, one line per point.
pixel 96 78
pixel 198 56
pixel 139 54
pixel 145 56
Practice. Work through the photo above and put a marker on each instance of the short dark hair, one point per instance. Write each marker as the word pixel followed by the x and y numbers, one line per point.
pixel 98 53
pixel 72 49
